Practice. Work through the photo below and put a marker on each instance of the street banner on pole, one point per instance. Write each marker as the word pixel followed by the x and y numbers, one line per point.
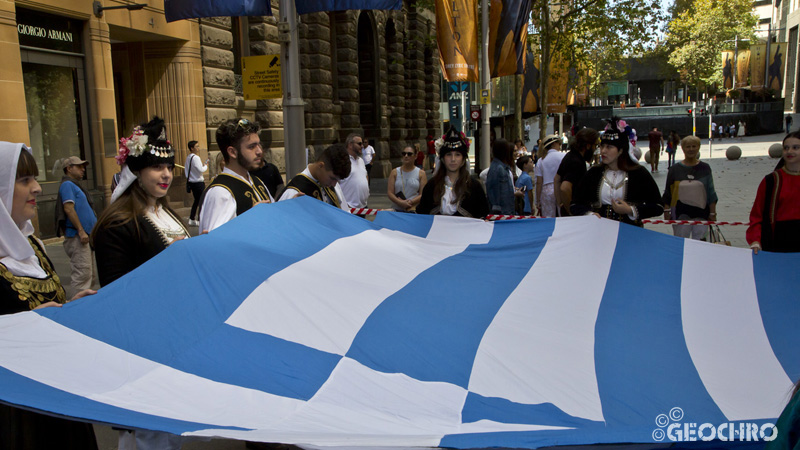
pixel 777 64
pixel 457 35
pixel 743 68
pixel 508 36
pixel 578 87
pixel 261 77
pixel 727 69
pixel 192 9
pixel 530 85
pixel 311 6
pixel 758 62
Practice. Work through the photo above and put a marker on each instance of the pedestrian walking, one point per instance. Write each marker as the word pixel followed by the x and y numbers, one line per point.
pixel 741 131
pixel 194 169
pixel 673 141
pixel 368 153
pixel 75 219
pixel 689 192
pixel 656 139
pixel 789 121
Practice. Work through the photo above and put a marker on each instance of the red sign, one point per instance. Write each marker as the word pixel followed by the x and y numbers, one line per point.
pixel 475 114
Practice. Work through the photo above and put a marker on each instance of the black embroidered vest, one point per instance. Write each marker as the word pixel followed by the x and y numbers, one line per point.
pixel 244 194
pixel 302 183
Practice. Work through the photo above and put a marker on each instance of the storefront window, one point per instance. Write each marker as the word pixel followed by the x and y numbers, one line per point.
pixel 51 95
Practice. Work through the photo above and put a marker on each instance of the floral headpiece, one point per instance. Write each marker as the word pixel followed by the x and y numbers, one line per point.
pixel 454 140
pixel 137 145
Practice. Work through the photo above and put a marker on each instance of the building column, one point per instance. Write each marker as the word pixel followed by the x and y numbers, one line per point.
pixel 14 123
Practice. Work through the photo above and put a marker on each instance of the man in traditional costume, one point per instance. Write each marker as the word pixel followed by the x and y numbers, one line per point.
pixel 320 179
pixel 235 191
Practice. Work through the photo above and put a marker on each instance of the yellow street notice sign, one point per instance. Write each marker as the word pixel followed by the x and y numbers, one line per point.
pixel 261 77
pixel 485 100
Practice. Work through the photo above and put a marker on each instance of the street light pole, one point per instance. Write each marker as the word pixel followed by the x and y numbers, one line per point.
pixel 485 86
pixel 294 128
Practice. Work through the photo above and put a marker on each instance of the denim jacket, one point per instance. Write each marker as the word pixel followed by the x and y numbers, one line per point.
pixel 499 188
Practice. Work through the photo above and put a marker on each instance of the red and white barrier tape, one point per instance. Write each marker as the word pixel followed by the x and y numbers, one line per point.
pixel 372 212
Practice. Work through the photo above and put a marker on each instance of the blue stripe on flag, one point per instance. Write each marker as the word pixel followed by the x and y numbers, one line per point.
pixel 191 9
pixel 777 300
pixel 215 276
pixel 643 364
pixel 414 224
pixel 431 329
pixel 262 362
pixel 478 407
pixel 27 391
pixel 310 6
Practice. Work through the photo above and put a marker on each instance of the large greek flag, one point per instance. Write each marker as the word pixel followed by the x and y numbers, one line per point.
pixel 299 323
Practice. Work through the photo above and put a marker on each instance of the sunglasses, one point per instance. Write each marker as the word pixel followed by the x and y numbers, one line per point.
pixel 243 123
pixel 407 154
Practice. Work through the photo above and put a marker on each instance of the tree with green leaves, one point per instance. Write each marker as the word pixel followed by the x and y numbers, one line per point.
pixel 594 35
pixel 699 34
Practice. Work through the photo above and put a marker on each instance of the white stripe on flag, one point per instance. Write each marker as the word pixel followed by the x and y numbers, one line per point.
pixel 59 357
pixel 554 308
pixel 314 302
pixel 721 317
pixel 460 230
pixel 360 406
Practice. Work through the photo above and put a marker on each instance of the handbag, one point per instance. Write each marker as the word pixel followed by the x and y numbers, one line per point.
pixel 189 172
pixel 715 236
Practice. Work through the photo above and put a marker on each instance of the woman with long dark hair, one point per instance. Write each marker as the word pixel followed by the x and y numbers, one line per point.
pixel 138 224
pixel 619 188
pixel 452 191
pixel 29 281
pixel 500 179
pixel 775 216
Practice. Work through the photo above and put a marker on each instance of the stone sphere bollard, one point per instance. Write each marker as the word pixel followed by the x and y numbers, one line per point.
pixel 647 157
pixel 733 153
pixel 776 150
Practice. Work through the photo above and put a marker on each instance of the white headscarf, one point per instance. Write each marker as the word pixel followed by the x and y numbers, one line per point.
pixel 126 178
pixel 16 252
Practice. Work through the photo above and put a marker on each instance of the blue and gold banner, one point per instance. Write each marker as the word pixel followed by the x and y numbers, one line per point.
pixel 508 36
pixel 457 35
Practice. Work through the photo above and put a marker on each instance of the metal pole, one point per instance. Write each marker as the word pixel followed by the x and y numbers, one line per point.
pixel 294 129
pixel 766 57
pixel 735 61
pixel 485 85
pixel 694 118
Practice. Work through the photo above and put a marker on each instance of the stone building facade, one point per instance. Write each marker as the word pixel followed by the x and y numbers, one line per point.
pixel 370 72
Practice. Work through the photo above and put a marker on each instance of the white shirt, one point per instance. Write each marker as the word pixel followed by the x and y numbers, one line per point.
pixel 194 168
pixel 219 206
pixel 356 186
pixel 368 153
pixel 549 164
pixel 289 194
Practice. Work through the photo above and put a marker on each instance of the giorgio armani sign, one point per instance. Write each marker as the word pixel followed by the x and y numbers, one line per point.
pixel 48 31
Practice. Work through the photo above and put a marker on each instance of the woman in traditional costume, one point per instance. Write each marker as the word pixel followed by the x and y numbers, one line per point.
pixel 619 188
pixel 138 224
pixel 28 282
pixel 452 191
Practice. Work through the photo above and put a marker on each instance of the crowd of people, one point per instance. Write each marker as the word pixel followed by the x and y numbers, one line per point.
pixel 139 223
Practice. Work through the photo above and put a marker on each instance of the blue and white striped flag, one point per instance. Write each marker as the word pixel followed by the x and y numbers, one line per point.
pixel 299 323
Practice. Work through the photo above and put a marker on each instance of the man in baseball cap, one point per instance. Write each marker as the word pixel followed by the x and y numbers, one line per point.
pixel 75 219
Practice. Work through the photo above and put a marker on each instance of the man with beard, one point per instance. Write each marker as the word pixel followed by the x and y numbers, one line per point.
pixel 234 191
pixel 573 167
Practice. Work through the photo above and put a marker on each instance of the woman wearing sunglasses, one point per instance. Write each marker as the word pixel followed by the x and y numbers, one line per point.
pixel 408 181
